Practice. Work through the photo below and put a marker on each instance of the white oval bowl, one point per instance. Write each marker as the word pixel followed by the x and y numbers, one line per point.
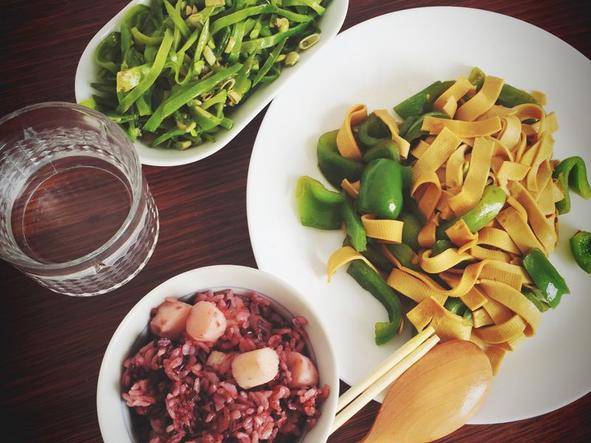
pixel 86 72
pixel 115 417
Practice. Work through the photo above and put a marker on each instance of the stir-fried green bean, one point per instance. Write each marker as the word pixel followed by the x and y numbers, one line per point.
pixel 159 73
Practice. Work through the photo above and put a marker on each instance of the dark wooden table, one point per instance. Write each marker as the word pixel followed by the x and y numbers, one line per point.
pixel 53 345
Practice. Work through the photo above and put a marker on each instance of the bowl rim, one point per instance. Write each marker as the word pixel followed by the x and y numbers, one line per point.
pixel 263 96
pixel 200 279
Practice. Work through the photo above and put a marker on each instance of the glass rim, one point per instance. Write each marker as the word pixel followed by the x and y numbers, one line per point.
pixel 30 264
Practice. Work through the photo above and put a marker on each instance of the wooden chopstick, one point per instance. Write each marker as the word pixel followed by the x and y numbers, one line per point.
pixel 384 367
pixel 384 381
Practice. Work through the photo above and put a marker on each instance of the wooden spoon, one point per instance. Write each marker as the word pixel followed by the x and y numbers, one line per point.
pixel 435 396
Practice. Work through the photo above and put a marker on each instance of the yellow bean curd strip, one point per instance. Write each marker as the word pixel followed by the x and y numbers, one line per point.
pixel 511 171
pixel 445 211
pixel 500 150
pixel 507 273
pixel 413 288
pixel 455 91
pixel 352 189
pixel 497 311
pixel 481 318
pixel 515 301
pixel 450 107
pixel 389 231
pixel 547 198
pixel 443 261
pixel 437 153
pixel 482 253
pixel 518 230
pixel 550 124
pixel 482 101
pixel 498 239
pixel 341 257
pixel 447 325
pixel 403 145
pixel 530 154
pixel 454 172
pixel 496 111
pixel 427 191
pixel 495 355
pixel 475 181
pixel 543 230
pixel 528 111
pixel 512 201
pixel 346 142
pixel 503 332
pixel 467 281
pixel 461 128
pixel 540 97
pixel 461 236
pixel 474 299
pixel 521 147
pixel 420 149
pixel 541 171
pixel 427 234
pixel 511 132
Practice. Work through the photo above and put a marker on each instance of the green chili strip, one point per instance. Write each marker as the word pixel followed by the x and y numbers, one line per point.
pixel 267 42
pixel 312 4
pixel 151 77
pixel 238 36
pixel 168 135
pixel 185 93
pixel 571 173
pixel 108 52
pixel 203 37
pixel 268 63
pixel 373 282
pixel 176 18
pixel 243 14
pixel 354 226
pixel 142 39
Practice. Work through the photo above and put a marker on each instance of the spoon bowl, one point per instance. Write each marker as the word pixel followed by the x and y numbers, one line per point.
pixel 435 396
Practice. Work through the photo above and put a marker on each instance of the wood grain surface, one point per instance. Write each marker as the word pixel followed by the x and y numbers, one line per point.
pixel 53 345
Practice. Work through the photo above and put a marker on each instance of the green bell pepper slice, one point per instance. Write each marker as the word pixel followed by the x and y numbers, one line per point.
pixel 371 131
pixel 509 96
pixel 405 255
pixel 571 173
pixel 580 246
pixel 375 256
pixel 537 298
pixel 381 187
pixel 373 282
pixel 413 131
pixel 423 100
pixel 317 206
pixel 384 148
pixel 440 246
pixel 545 276
pixel 332 164
pixel 410 231
pixel 354 226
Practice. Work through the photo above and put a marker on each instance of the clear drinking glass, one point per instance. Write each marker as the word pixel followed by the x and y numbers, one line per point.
pixel 76 213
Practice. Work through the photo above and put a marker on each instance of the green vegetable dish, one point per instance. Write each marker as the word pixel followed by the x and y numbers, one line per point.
pixel 450 212
pixel 173 72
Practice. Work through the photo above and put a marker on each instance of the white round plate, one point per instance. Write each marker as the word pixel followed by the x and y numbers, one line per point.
pixel 381 62
pixel 114 416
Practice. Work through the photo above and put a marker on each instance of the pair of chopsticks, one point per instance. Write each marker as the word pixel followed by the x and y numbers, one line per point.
pixel 384 375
